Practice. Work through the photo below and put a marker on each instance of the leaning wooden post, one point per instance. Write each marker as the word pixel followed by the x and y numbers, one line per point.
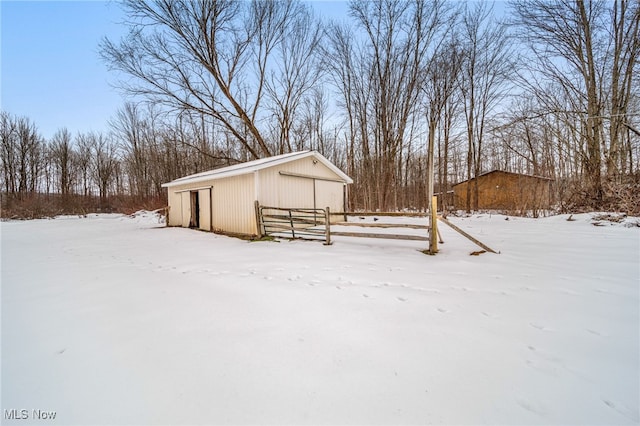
pixel 293 228
pixel 327 226
pixel 256 203
pixel 433 229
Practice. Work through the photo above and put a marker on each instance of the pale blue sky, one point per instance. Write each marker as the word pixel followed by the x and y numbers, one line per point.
pixel 50 68
pixel 51 71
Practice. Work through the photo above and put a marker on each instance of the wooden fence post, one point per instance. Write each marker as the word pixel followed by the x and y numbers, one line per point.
pixel 433 229
pixel 327 226
pixel 256 203
pixel 293 229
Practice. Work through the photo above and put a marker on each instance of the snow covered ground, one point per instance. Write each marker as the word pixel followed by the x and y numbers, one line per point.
pixel 118 320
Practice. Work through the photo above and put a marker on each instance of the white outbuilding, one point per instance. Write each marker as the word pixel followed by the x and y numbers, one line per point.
pixel 223 200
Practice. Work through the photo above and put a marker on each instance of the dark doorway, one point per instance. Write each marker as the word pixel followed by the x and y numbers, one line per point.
pixel 194 222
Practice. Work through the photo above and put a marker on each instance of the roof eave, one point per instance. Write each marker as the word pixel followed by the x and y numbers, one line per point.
pixel 241 171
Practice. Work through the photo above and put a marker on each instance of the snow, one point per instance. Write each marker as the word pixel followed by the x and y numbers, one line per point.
pixel 118 320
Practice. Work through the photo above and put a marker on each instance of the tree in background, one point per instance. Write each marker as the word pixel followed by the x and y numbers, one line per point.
pixel 219 58
pixel 484 81
pixel 402 94
pixel 587 52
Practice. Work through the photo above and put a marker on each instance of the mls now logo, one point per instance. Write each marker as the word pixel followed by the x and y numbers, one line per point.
pixel 16 414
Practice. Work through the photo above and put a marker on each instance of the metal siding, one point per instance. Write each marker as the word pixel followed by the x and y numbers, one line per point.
pixel 186 208
pixel 330 194
pixel 296 192
pixel 204 214
pixel 175 208
pixel 306 166
pixel 287 191
pixel 233 208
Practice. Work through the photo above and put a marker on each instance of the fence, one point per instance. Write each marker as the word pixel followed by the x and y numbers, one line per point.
pixel 313 224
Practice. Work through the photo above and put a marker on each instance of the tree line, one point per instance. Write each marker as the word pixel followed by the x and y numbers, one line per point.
pixel 406 96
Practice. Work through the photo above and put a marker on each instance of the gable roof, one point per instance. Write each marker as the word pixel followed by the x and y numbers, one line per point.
pixel 252 166
pixel 505 172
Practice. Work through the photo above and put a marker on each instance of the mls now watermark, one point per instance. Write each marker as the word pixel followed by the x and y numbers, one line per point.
pixel 23 414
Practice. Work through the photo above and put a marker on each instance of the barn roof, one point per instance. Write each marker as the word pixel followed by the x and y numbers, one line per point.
pixel 505 172
pixel 252 166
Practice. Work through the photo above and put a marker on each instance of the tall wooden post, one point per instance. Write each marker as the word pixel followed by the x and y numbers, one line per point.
pixel 327 227
pixel 433 228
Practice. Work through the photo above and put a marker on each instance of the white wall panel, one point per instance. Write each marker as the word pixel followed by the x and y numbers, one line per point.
pixel 186 208
pixel 204 205
pixel 233 208
pixel 175 208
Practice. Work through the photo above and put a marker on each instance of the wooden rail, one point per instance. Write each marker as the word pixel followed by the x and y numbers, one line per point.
pixel 383 236
pixel 474 240
pixel 382 225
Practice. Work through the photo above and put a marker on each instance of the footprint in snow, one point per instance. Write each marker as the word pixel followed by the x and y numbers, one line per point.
pixel 622 409
pixel 570 292
pixel 442 310
pixel 402 299
pixel 531 406
pixel 365 295
pixel 539 327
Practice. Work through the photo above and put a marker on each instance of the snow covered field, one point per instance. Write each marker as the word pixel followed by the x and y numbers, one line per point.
pixel 118 320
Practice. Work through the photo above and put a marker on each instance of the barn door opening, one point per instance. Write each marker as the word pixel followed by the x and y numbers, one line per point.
pixel 194 222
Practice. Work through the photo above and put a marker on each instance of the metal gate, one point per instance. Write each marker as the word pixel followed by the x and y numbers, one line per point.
pixel 302 223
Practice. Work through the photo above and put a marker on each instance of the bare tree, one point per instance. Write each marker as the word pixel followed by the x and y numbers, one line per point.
pixel 8 144
pixel 441 82
pixel 209 56
pixel 83 157
pixel 625 51
pixel 572 45
pixel 294 75
pixel 344 57
pixel 103 164
pixel 484 77
pixel 381 82
pixel 129 127
pixel 62 156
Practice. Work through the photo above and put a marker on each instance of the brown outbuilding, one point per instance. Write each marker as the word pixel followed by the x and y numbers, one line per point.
pixel 500 190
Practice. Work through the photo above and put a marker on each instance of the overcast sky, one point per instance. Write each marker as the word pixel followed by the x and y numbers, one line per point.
pixel 50 68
